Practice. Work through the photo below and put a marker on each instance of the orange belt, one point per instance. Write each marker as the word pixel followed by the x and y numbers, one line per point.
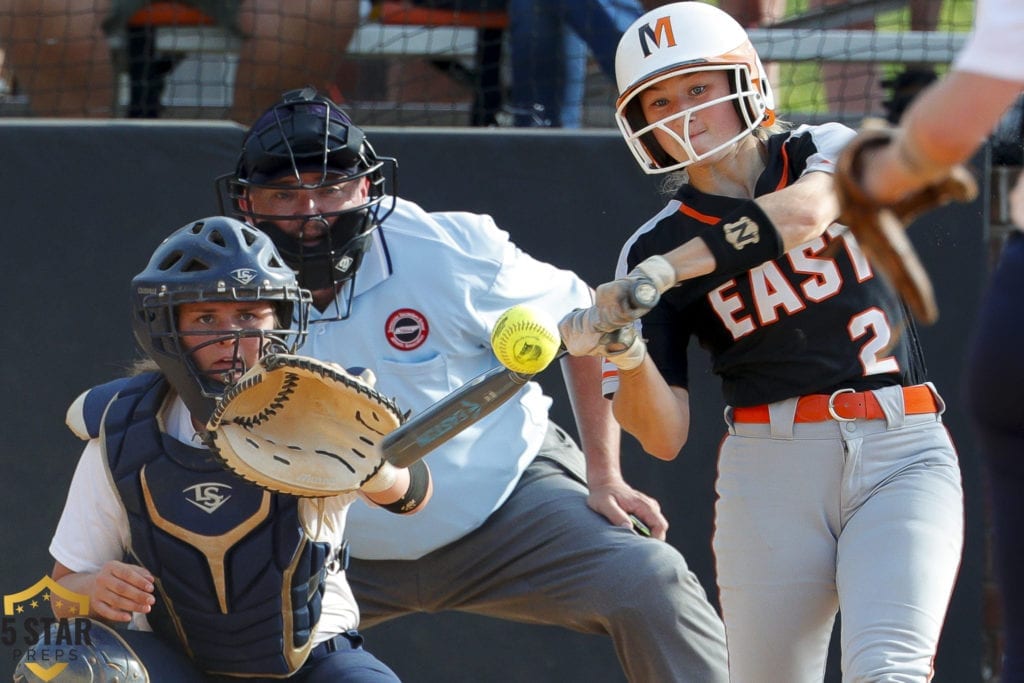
pixel 843 405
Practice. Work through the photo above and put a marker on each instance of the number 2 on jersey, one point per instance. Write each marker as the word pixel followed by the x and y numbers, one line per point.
pixel 873 324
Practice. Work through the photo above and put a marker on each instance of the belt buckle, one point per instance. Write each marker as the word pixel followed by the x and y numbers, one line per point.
pixel 832 409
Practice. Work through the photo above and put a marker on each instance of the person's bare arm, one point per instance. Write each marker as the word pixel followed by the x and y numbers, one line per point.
pixel 398 489
pixel 944 126
pixel 600 439
pixel 657 414
pixel 799 213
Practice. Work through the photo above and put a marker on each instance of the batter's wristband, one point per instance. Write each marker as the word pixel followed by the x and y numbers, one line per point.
pixel 419 483
pixel 744 239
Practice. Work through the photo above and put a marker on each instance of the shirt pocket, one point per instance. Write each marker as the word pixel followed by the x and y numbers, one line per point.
pixel 414 384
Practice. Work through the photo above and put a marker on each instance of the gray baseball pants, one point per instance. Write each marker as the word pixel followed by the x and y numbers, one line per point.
pixel 864 517
pixel 544 557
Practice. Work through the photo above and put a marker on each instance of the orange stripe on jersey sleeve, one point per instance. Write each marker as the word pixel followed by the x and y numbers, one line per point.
pixel 784 180
pixel 697 215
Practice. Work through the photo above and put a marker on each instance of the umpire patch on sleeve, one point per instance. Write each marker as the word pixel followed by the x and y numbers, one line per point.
pixel 406 329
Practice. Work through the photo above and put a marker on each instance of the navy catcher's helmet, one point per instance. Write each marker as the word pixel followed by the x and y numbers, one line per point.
pixel 213 259
pixel 306 132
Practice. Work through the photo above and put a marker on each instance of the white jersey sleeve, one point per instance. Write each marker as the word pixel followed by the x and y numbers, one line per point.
pixel 829 139
pixel 995 48
pixel 93 529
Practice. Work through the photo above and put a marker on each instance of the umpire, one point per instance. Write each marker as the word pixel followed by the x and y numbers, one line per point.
pixel 523 524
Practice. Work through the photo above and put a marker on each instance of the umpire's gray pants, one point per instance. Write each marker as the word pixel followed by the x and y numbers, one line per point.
pixel 546 558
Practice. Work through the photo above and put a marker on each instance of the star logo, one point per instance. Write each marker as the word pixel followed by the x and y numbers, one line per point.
pixel 45 590
pixel 34 599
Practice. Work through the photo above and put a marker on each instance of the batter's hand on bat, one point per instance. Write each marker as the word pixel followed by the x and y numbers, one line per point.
pixel 581 336
pixel 622 301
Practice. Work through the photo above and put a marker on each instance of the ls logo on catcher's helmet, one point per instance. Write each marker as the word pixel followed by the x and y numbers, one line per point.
pixel 207 496
pixel 406 329
pixel 662 30
pixel 742 232
pixel 244 275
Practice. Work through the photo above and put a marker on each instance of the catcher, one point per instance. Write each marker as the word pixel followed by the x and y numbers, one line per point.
pixel 232 579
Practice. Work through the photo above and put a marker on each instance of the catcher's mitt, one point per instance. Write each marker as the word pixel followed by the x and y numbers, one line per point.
pixel 881 230
pixel 300 426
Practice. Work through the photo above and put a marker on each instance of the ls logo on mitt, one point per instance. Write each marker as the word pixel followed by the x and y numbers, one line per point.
pixel 742 232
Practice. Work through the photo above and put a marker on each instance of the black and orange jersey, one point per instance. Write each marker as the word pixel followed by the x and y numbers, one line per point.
pixel 815 320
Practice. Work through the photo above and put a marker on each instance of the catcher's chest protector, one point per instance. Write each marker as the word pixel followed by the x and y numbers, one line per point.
pixel 238 582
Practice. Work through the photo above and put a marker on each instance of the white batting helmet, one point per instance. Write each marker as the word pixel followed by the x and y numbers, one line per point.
pixel 682 38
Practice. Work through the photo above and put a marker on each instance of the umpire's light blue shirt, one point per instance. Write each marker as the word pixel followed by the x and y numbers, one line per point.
pixel 428 293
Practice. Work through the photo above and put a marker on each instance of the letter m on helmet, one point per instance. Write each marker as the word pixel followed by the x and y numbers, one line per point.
pixel 662 30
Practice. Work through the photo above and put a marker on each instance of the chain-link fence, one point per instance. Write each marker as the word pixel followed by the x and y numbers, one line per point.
pixel 441 62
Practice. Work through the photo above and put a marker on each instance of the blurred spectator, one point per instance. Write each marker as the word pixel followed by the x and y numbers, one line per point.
pixel 58 56
pixel 755 13
pixel 5 76
pixel 302 44
pixel 550 42
pixel 57 50
pixel 853 88
pixel 904 86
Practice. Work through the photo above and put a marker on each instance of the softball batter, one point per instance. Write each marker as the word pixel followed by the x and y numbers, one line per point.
pixel 838 485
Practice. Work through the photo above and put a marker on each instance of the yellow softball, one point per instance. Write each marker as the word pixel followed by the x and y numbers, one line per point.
pixel 525 339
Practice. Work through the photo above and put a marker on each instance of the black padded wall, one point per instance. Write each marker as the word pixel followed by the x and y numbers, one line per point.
pixel 85 204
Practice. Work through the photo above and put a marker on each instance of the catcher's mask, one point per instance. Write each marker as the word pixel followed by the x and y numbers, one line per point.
pixel 216 259
pixel 677 39
pixel 307 133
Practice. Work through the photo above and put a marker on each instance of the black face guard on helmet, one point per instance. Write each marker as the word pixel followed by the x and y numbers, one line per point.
pixel 216 259
pixel 308 133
